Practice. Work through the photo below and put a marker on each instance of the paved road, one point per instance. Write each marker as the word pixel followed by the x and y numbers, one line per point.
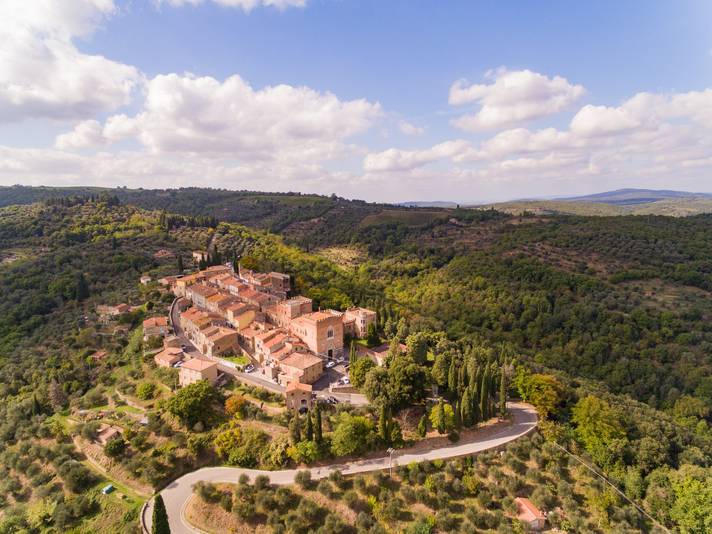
pixel 177 493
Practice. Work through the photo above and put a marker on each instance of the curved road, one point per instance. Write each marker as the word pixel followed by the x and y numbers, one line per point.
pixel 176 494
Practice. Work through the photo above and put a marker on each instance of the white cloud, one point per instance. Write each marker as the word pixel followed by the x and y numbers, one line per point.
pixel 143 169
pixel 43 74
pixel 205 116
pixel 245 5
pixel 403 160
pixel 513 97
pixel 86 134
pixel 593 121
pixel 647 137
pixel 408 128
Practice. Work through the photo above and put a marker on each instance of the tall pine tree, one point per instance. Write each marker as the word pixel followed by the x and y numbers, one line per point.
pixel 159 524
pixel 310 427
pixel 82 287
pixel 295 429
pixel 452 377
pixel 317 424
pixel 466 408
pixel 484 394
pixel 503 392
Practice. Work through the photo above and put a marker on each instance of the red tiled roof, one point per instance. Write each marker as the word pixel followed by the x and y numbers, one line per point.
pixel 298 385
pixel 527 511
pixel 196 364
pixel 155 321
pixel 301 360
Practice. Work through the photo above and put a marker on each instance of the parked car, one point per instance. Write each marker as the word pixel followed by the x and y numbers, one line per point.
pixel 249 368
pixel 184 347
pixel 330 364
pixel 332 400
pixel 345 380
pixel 178 364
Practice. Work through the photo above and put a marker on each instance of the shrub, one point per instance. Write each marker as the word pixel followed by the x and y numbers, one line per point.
pixel 338 479
pixel 261 482
pixel 115 447
pixel 146 390
pixel 446 521
pixel 207 491
pixel 303 452
pixel 353 501
pixel 89 430
pixel 360 483
pixel 325 488
pixel 75 476
pixel 303 479
pixel 235 405
pixel 409 494
pixel 285 499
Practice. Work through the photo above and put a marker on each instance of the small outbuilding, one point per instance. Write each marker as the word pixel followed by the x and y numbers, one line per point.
pixel 298 396
pixel 530 514
pixel 106 434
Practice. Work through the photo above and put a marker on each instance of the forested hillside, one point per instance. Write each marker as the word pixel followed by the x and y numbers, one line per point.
pixel 606 319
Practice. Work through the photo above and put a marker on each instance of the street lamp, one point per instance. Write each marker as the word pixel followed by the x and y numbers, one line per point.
pixel 390 451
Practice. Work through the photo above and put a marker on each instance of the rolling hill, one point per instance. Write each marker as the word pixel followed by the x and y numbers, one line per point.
pixel 619 202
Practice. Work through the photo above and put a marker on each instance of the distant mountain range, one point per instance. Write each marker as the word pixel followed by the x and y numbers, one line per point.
pixel 619 202
pixel 429 204
pixel 636 196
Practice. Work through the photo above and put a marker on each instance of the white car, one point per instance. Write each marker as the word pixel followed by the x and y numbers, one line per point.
pixel 330 364
pixel 249 368
pixel 178 364
pixel 345 380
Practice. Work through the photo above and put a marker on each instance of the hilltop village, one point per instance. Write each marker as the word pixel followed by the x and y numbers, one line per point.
pixel 242 322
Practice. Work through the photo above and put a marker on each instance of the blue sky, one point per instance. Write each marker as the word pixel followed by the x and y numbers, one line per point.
pixel 356 97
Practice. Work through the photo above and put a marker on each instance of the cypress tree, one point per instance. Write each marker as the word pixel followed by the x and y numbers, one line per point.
pixel 461 380
pixel 466 408
pixel 159 525
pixel 82 291
pixel 353 355
pixel 180 264
pixel 475 399
pixel 383 426
pixel 502 393
pixel 456 415
pixel 317 424
pixel 310 427
pixel 484 394
pixel 295 430
pixel 423 426
pixel 452 376
pixel 440 416
pixel 36 407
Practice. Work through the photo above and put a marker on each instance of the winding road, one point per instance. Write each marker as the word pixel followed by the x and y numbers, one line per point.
pixel 177 493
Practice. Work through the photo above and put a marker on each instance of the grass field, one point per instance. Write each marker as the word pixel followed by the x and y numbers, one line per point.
pixel 409 217
pixel 672 207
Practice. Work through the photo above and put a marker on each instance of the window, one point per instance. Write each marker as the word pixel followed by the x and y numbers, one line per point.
pixel 330 333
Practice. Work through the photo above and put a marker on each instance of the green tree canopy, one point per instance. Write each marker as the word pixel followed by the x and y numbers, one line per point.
pixel 193 403
pixel 353 434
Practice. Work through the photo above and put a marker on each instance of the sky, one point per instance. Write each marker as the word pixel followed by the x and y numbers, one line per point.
pixel 383 100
